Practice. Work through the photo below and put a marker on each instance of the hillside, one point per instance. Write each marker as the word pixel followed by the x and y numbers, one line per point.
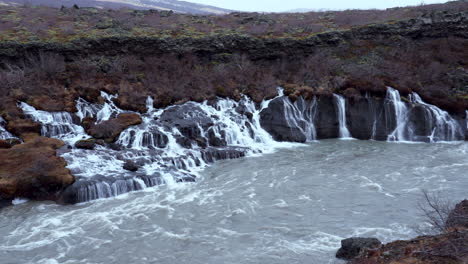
pixel 167 5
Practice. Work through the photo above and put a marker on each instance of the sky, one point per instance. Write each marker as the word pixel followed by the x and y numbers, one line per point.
pixel 285 5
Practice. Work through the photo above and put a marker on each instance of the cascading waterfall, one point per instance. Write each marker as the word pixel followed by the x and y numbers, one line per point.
pixel 401 116
pixel 4 134
pixel 214 131
pixel 341 105
pixel 443 126
pixel 173 143
pixel 301 114
pixel 55 124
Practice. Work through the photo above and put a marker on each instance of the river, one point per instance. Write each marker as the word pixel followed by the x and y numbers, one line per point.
pixel 290 206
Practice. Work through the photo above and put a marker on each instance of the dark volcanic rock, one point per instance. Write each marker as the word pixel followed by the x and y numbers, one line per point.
pixel 86 144
pixel 111 129
pixel 353 247
pixel 327 124
pixel 273 120
pixel 130 166
pixel 32 170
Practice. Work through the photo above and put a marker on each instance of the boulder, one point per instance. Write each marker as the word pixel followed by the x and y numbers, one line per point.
pixel 23 126
pixel 110 130
pixel 353 247
pixel 32 170
pixel 130 166
pixel 86 144
pixel 458 217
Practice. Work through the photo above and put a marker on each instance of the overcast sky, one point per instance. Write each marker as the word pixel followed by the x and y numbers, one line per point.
pixel 284 5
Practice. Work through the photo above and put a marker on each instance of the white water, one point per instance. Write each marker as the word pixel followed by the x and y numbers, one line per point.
pixel 292 206
pixel 155 144
pixel 341 105
pixel 55 124
pixel 4 134
pixel 401 116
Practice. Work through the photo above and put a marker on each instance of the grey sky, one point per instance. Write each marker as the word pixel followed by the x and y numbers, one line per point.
pixel 284 5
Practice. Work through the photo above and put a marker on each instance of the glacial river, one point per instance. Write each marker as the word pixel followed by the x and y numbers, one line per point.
pixel 290 206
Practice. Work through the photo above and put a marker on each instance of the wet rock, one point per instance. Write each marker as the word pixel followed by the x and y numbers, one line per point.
pixel 213 154
pixel 327 124
pixel 110 130
pixel 32 170
pixel 86 144
pixel 8 143
pixel 353 247
pixel 130 166
pixel 187 118
pixel 273 120
pixel 132 102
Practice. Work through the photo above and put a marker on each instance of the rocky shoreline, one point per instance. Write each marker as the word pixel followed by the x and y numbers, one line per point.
pixel 448 247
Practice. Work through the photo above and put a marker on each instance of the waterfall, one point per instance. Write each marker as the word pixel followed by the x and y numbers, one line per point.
pixel 301 115
pixel 401 116
pixel 102 112
pixel 55 124
pixel 4 134
pixel 443 126
pixel 170 145
pixel 341 105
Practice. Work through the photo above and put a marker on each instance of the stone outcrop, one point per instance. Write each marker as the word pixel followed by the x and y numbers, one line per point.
pixel 86 144
pixel 110 130
pixel 33 170
pixel 353 247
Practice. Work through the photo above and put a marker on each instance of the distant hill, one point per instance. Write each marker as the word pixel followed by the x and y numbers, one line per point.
pixel 174 5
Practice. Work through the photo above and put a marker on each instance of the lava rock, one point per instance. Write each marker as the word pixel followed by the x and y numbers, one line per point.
pixel 86 144
pixel 353 247
pixel 130 166
pixel 273 120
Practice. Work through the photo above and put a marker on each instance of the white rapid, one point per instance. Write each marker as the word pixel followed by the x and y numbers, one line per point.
pixel 56 124
pixel 341 106
pixel 4 134
pixel 170 145
pixel 100 112
pixel 401 116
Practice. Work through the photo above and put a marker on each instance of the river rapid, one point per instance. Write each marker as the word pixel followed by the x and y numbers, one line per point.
pixel 290 206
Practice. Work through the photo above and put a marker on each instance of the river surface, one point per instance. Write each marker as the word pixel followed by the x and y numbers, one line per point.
pixel 291 206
